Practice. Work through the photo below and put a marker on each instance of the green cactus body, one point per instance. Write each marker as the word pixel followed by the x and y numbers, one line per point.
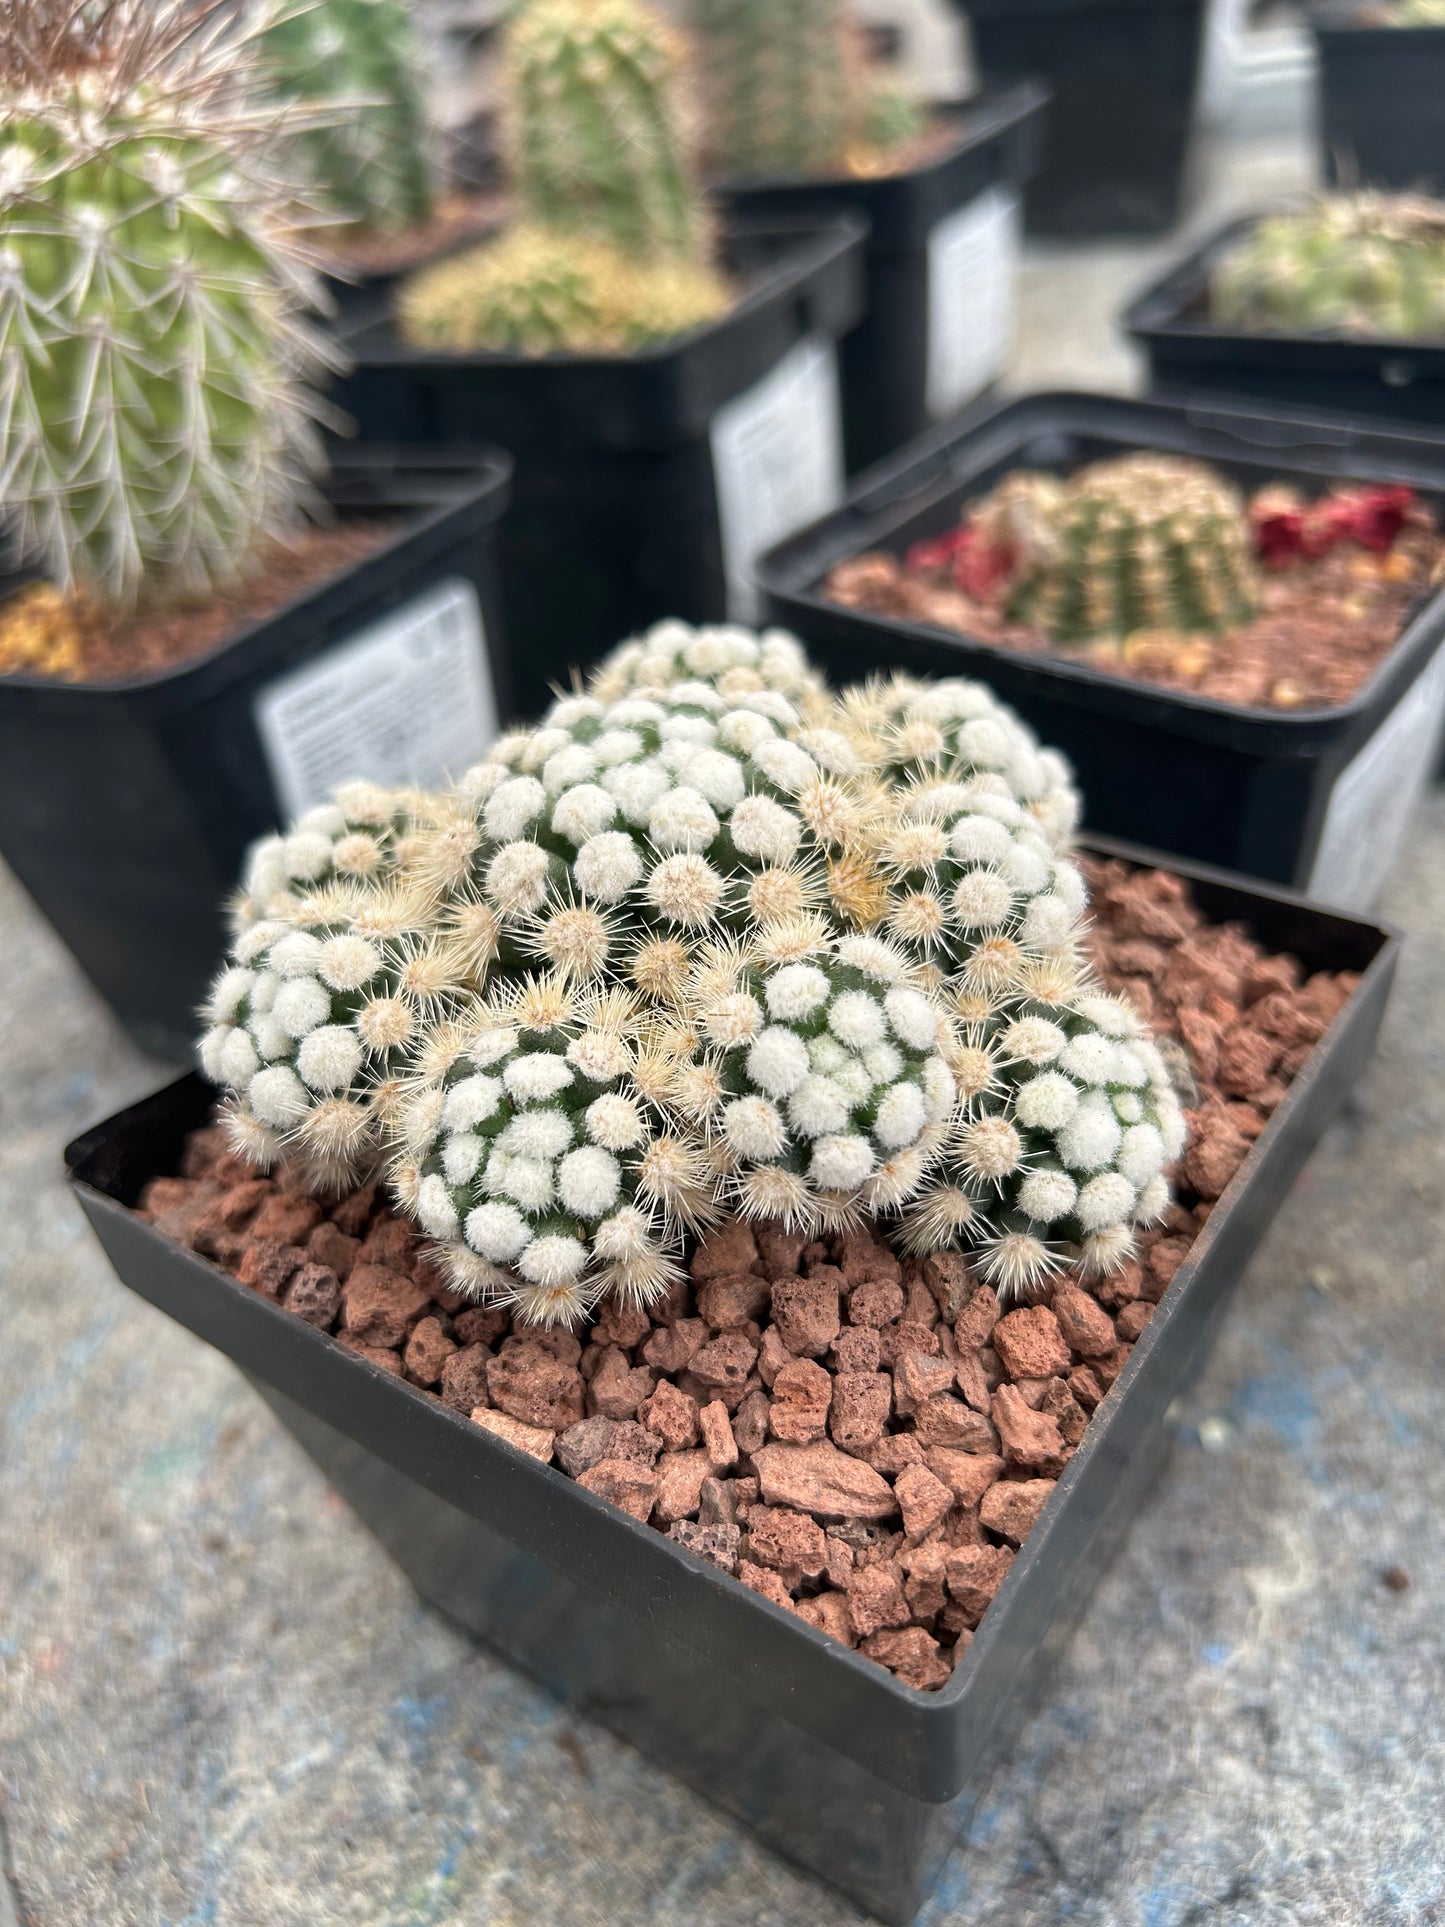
pixel 1419 13
pixel 1367 264
pixel 706 939
pixel 536 292
pixel 1137 543
pixel 596 139
pixel 374 166
pixel 155 424
pixel 779 84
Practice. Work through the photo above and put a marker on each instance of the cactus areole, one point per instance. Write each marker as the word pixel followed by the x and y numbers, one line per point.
pixel 155 422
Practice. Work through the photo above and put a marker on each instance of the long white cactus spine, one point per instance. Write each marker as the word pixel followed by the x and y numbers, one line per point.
pixel 155 417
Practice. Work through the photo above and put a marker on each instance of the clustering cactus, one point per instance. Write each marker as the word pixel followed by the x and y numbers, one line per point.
pixel 611 249
pixel 155 422
pixel 1137 543
pixel 706 939
pixel 788 93
pixel 1361 264
pixel 373 165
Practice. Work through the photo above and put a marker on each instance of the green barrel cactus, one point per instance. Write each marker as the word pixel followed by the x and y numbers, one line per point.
pixel 1139 542
pixel 706 939
pixel 611 249
pixel 1361 264
pixel 780 85
pixel 374 165
pixel 156 420
pixel 596 139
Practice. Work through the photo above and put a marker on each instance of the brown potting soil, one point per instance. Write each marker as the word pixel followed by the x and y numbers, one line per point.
pixel 1321 629
pixel 864 1439
pixel 458 218
pixel 45 633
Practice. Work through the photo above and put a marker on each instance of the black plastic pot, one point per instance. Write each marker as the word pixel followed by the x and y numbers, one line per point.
pixel 939 269
pixel 1318 799
pixel 1380 93
pixel 1123 75
pixel 644 484
pixel 125 808
pixel 835 1763
pixel 1190 355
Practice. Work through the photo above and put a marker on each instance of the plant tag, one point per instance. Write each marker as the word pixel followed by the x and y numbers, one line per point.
pixel 409 700
pixel 777 453
pixel 1375 795
pixel 973 259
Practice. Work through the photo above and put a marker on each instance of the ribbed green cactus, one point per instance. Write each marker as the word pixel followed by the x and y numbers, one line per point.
pixel 779 83
pixel 611 251
pixel 707 939
pixel 1362 264
pixel 1138 542
pixel 154 418
pixel 374 166
pixel 596 139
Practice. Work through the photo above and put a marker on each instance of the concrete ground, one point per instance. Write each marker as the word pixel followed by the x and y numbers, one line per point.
pixel 221 1706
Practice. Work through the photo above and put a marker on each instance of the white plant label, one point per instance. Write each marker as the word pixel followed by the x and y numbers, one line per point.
pixel 409 700
pixel 973 259
pixel 777 453
pixel 1375 795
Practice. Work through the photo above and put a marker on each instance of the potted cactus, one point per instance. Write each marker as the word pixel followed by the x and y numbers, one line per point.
pixel 714 968
pixel 1382 66
pixel 669 392
pixel 178 551
pixel 376 165
pixel 1123 76
pixel 1336 304
pixel 1232 625
pixel 798 123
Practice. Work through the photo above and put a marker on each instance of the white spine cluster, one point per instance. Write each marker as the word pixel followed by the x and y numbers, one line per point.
pixel 747 947
pixel 528 1155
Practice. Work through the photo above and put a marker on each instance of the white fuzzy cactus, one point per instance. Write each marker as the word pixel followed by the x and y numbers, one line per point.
pixel 832 1091
pixel 156 421
pixel 527 1153
pixel 704 940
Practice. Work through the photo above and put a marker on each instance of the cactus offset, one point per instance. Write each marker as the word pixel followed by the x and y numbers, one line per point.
pixel 1363 264
pixel 155 420
pixel 1136 543
pixel 374 165
pixel 707 939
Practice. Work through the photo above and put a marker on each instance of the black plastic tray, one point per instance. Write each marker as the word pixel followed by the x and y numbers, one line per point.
pixel 997 146
pixel 1192 356
pixel 832 1760
pixel 1124 75
pixel 1247 789
pixel 126 808
pixel 614 520
pixel 1380 95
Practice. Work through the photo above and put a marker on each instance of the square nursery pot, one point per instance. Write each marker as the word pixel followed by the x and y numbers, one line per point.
pixel 1319 799
pixel 1123 75
pixel 837 1764
pixel 940 267
pixel 1191 355
pixel 645 484
pixel 1380 94
pixel 126 807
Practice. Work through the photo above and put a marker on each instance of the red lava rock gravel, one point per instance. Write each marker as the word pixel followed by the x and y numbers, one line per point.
pixel 861 1438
